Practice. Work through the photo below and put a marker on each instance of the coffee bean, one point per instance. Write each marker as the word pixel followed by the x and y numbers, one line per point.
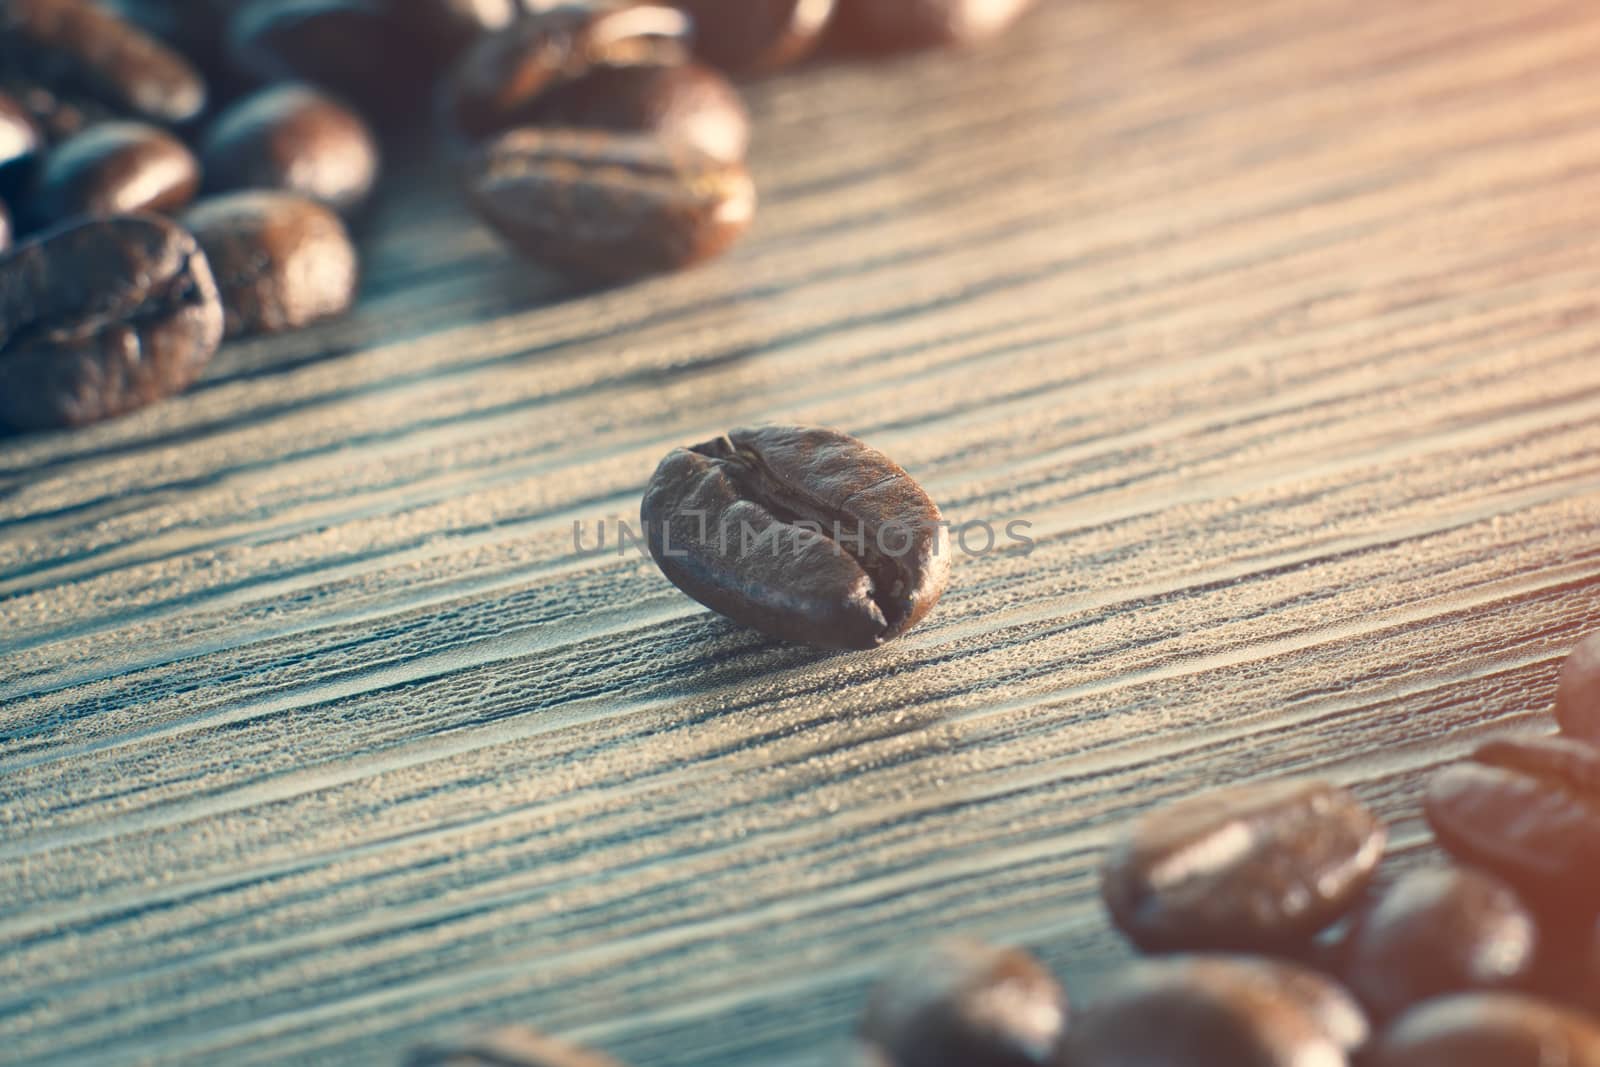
pixel 1436 932
pixel 499 81
pixel 114 168
pixel 101 317
pixel 805 534
pixel 20 138
pixel 1528 810
pixel 294 138
pixel 71 46
pixel 756 35
pixel 508 1046
pixel 1217 1012
pixel 1578 692
pixel 686 104
pixel 1488 1030
pixel 1250 867
pixel 281 261
pixel 608 207
pixel 962 1003
pixel 891 25
pixel 355 49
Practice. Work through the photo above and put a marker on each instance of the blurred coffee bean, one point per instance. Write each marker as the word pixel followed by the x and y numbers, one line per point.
pixel 686 104
pixel 1216 1012
pixel 1578 692
pixel 114 168
pixel 1488 1030
pixel 101 317
pixel 294 138
pixel 498 82
pixel 73 46
pixel 962 1003
pixel 1251 867
pixel 356 49
pixel 448 27
pixel 281 261
pixel 508 1046
pixel 608 206
pixel 1437 932
pixel 20 139
pixel 892 25
pixel 1528 810
pixel 742 36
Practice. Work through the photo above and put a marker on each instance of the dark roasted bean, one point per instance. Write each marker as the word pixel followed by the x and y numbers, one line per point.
pixel 1488 1030
pixel 294 138
pixel 508 1046
pixel 1578 692
pixel 356 49
pixel 752 35
pixel 100 318
pixel 114 168
pixel 499 81
pixel 685 103
pixel 1437 932
pixel 20 138
pixel 608 206
pixel 806 534
pixel 965 1004
pixel 73 45
pixel 1528 810
pixel 1217 1012
pixel 281 261
pixel 890 25
pixel 1261 866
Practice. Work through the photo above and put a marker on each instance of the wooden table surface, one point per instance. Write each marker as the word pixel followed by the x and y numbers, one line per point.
pixel 1279 320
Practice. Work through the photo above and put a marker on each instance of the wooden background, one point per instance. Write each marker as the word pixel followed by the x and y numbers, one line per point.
pixel 1278 319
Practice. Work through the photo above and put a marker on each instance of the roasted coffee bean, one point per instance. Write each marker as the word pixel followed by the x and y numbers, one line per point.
pixel 20 139
pixel 114 168
pixel 1528 810
pixel 101 317
pixel 608 207
pixel 71 46
pixel 294 138
pixel 684 103
pixel 1217 1012
pixel 499 81
pixel 962 1003
pixel 356 49
pixel 281 261
pixel 1578 692
pixel 1437 932
pixel 805 534
pixel 508 1046
pixel 891 25
pixel 756 35
pixel 1488 1030
pixel 1250 867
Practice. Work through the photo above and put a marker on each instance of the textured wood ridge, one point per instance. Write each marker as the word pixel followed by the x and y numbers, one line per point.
pixel 1278 320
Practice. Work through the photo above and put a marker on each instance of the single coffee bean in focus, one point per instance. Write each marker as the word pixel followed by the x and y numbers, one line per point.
pixel 1260 867
pixel 1435 932
pixel 114 168
pixel 1578 692
pixel 805 534
pixel 892 25
pixel 756 35
pixel 962 1003
pixel 608 207
pixel 75 46
pixel 281 261
pixel 102 317
pixel 1488 1030
pixel 508 1046
pixel 1528 810
pixel 684 104
pixel 294 138
pixel 1216 1012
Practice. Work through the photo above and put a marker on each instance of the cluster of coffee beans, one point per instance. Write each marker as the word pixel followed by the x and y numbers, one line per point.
pixel 1272 943
pixel 600 137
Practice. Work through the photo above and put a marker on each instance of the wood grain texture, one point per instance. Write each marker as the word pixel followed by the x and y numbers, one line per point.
pixel 1279 321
